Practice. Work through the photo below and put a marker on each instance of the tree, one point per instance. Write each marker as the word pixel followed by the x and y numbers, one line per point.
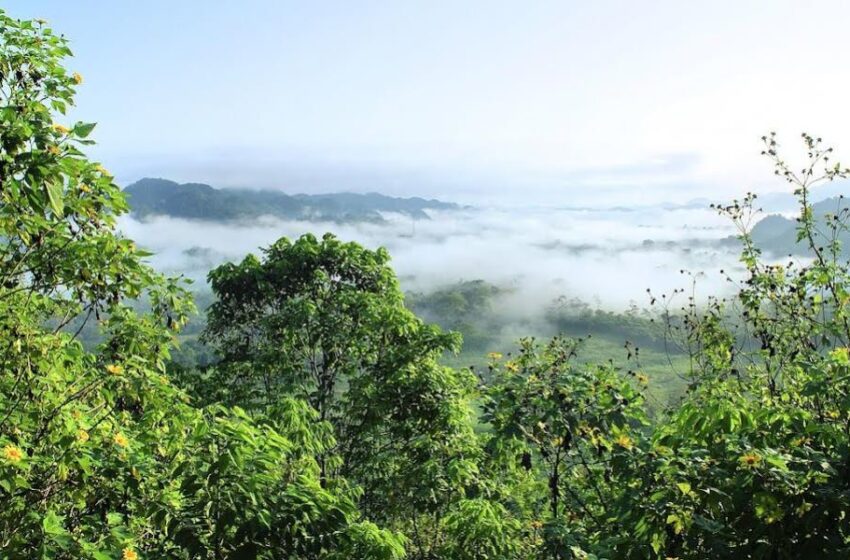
pixel 325 321
pixel 753 463
pixel 250 488
pixel 101 456
pixel 71 422
pixel 568 425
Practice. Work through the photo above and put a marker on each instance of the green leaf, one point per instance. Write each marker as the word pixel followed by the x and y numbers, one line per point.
pixel 657 542
pixel 81 130
pixel 52 524
pixel 55 195
pixel 777 462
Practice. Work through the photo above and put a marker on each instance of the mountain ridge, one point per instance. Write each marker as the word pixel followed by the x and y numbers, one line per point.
pixel 777 234
pixel 199 201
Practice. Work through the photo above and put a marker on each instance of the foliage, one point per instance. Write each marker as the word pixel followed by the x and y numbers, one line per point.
pixel 479 529
pixel 753 463
pixel 568 424
pixel 325 321
pixel 465 307
pixel 247 490
pixel 576 318
pixel 100 455
pixel 327 429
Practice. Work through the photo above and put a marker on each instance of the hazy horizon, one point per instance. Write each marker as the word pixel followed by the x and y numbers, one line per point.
pixel 552 101
pixel 529 113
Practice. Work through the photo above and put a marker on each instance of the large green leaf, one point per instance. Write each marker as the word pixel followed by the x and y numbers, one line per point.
pixel 55 195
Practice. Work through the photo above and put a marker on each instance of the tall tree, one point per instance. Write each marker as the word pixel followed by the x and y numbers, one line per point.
pixel 325 320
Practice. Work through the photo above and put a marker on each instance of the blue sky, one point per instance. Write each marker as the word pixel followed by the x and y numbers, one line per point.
pixel 564 100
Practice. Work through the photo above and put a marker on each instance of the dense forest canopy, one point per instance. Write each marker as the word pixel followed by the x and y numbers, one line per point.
pixel 328 423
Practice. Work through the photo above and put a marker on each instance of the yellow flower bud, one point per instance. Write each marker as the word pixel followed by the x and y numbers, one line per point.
pixel 120 440
pixel 624 441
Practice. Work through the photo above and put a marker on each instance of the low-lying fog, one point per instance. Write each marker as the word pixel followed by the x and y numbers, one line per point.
pixel 605 257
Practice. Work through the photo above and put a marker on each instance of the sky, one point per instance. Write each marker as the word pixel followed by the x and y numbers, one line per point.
pixel 554 102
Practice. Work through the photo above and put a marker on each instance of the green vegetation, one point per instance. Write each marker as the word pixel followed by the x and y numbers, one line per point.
pixel 634 340
pixel 100 455
pixel 326 426
pixel 466 307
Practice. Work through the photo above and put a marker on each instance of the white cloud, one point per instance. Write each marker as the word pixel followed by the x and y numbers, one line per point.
pixel 541 253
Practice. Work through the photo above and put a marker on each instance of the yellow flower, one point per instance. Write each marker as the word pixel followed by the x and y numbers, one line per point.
pixel 61 129
pixel 102 170
pixel 82 436
pixel 750 459
pixel 115 369
pixel 120 440
pixel 53 150
pixel 77 78
pixel 642 379
pixel 129 554
pixel 494 356
pixel 12 453
pixel 512 367
pixel 624 441
pixel 85 188
pixel 536 524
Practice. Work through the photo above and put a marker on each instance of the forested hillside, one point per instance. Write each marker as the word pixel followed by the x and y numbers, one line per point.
pixel 329 426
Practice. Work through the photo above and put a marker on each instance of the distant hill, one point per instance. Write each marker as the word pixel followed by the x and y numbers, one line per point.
pixel 786 201
pixel 778 234
pixel 198 201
